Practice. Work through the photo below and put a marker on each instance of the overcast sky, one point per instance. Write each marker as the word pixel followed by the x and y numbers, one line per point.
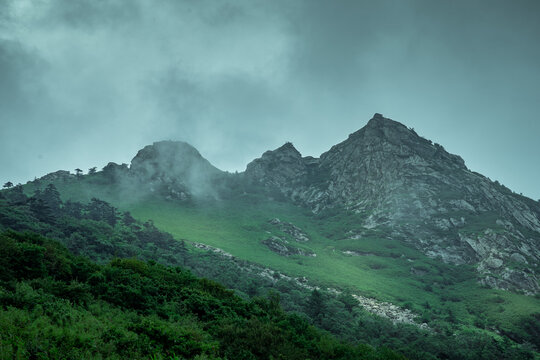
pixel 86 82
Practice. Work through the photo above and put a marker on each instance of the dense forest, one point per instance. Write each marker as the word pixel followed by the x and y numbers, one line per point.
pixel 125 289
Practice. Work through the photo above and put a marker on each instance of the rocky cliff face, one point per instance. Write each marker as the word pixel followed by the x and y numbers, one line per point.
pixel 282 169
pixel 416 192
pixel 175 169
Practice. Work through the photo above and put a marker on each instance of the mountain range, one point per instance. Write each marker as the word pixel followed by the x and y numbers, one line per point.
pixel 386 216
pixel 389 179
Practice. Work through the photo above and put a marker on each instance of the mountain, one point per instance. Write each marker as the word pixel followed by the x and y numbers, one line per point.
pixel 386 220
pixel 419 193
pixel 388 178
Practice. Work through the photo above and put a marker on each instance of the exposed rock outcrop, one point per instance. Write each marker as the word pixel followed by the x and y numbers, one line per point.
pixel 283 248
pixel 176 165
pixel 294 231
pixel 61 175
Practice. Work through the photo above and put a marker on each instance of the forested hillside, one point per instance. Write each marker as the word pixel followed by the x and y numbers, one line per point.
pixel 103 233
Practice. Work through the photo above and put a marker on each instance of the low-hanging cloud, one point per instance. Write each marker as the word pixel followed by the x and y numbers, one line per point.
pixel 88 82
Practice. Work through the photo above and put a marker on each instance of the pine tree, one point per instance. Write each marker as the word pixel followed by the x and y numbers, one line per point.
pixel 8 185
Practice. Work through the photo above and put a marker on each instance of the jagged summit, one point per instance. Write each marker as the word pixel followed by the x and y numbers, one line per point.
pixel 379 120
pixel 380 134
pixel 166 150
pixel 170 158
pixel 378 125
pixel 384 154
pixel 276 167
pixel 288 147
pixel 175 169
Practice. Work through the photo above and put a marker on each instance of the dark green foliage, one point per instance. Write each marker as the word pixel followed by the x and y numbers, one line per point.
pixel 51 197
pixel 127 219
pixel 41 210
pixel 316 306
pixel 56 305
pixel 99 210
pixel 348 301
pixel 73 209
pixel 529 331
pixel 15 195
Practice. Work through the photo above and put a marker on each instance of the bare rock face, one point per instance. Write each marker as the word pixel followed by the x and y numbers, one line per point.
pixel 61 175
pixel 176 168
pixel 171 159
pixel 282 169
pixel 398 182
pixel 283 248
pixel 294 231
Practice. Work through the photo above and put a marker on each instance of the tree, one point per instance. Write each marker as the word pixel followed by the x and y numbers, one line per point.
pixel 316 306
pixel 127 219
pixel 16 195
pixel 73 209
pixel 92 170
pixel 8 185
pixel 183 250
pixel 100 210
pixel 349 302
pixel 51 196
pixel 78 172
pixel 40 209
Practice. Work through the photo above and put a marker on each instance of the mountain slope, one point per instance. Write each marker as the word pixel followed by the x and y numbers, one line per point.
pixel 418 193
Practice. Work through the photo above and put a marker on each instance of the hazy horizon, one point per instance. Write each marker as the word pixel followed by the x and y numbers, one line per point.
pixel 85 83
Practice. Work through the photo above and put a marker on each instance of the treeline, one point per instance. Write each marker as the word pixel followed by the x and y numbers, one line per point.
pixel 101 232
pixel 96 230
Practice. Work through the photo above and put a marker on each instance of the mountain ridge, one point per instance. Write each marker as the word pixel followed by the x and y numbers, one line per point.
pixel 384 175
pixel 402 181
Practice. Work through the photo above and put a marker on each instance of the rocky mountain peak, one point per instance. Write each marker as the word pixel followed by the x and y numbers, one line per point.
pixel 289 149
pixel 171 158
pixel 277 168
pixel 378 120
pixel 399 182
pixel 175 169
pixel 165 149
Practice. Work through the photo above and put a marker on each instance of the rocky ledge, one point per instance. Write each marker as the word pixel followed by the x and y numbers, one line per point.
pixel 281 247
pixel 297 234
pixel 389 311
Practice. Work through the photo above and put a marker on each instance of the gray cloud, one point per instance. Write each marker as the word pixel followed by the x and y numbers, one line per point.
pixel 88 82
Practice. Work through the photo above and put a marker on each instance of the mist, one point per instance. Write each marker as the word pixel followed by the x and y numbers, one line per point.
pixel 84 83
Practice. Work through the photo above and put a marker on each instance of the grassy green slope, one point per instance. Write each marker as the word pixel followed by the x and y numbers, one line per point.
pixel 238 226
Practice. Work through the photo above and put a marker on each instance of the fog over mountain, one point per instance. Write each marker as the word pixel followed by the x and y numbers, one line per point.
pixel 83 83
